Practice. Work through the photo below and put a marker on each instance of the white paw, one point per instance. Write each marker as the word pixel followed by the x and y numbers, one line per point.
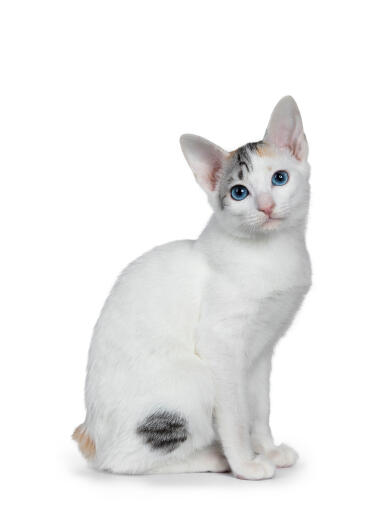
pixel 282 456
pixel 258 468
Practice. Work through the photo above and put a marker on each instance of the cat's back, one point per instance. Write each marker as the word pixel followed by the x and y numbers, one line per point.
pixel 157 295
pixel 161 273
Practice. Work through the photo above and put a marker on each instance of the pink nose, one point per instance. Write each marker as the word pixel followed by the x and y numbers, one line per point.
pixel 267 209
pixel 265 203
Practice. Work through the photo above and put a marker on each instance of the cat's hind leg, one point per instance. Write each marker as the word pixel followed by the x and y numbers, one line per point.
pixel 209 459
pixel 159 420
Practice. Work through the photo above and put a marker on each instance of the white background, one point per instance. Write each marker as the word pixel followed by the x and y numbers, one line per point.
pixel 94 95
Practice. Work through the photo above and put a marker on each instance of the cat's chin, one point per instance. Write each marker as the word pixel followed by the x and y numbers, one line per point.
pixel 271 224
pixel 251 231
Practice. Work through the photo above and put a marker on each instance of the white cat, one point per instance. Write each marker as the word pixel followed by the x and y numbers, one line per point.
pixel 179 364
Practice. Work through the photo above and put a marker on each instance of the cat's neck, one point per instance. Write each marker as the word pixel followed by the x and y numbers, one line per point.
pixel 216 235
pixel 242 256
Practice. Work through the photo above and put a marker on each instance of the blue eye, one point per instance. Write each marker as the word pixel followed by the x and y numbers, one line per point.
pixel 239 192
pixel 280 178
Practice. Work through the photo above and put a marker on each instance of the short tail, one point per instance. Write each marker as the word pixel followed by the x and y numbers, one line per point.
pixel 85 442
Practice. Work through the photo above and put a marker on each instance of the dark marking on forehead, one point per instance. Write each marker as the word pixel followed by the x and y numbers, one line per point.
pixel 243 157
pixel 254 146
pixel 243 165
pixel 244 153
pixel 239 162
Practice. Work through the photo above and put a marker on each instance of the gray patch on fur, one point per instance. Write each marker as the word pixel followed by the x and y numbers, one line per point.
pixel 238 163
pixel 163 430
pixel 253 146
pixel 243 156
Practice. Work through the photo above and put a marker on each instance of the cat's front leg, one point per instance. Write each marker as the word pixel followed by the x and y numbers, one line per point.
pixel 227 359
pixel 259 398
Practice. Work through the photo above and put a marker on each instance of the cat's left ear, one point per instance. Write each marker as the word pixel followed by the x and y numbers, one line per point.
pixel 205 159
pixel 285 129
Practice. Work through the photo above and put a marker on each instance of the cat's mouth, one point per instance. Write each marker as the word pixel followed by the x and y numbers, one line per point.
pixel 262 222
pixel 271 223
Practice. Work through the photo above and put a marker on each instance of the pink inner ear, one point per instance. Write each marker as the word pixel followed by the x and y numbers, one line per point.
pixel 287 137
pixel 283 137
pixel 285 129
pixel 214 175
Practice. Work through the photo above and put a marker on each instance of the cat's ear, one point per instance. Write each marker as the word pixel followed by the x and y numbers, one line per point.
pixel 285 129
pixel 205 159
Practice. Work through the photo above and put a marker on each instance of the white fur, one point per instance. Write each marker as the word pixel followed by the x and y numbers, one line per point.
pixel 190 327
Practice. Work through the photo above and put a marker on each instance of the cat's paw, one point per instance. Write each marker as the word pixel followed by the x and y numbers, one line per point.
pixel 258 468
pixel 282 456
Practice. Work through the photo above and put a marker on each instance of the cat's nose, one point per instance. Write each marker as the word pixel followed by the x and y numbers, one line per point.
pixel 267 210
pixel 266 204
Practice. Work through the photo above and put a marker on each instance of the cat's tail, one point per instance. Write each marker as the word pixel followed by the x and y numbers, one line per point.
pixel 85 442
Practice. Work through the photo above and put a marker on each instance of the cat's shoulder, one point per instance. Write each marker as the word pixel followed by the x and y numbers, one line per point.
pixel 175 256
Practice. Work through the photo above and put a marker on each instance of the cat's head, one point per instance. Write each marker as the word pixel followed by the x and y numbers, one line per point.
pixel 262 186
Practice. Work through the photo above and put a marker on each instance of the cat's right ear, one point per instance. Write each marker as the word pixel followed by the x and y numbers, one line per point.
pixel 205 159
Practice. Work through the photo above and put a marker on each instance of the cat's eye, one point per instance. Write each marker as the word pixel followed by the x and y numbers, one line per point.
pixel 239 192
pixel 280 178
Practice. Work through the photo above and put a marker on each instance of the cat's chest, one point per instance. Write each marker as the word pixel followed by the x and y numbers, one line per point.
pixel 261 273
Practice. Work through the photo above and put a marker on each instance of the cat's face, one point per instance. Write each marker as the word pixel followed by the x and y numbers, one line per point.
pixel 260 187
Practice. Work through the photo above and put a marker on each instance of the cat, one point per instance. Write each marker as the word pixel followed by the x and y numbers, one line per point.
pixel 180 359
